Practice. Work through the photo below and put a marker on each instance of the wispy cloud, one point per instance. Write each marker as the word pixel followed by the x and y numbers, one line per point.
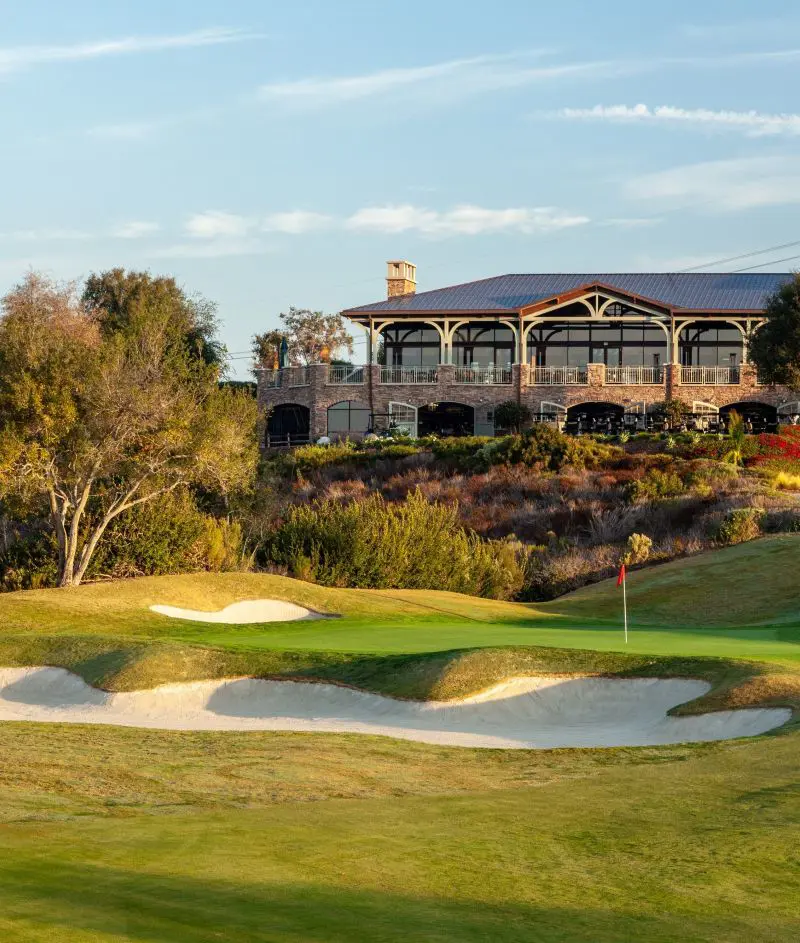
pixel 13 59
pixel 464 220
pixel 723 185
pixel 214 224
pixel 753 123
pixel 486 73
pixel 457 77
pixel 296 222
pixel 136 229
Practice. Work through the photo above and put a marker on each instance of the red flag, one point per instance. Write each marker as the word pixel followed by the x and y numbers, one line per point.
pixel 621 577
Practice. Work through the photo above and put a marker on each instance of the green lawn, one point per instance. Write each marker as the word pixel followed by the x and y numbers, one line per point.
pixel 111 835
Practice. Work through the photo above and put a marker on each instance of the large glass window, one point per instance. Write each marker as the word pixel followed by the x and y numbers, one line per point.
pixel 348 416
pixel 711 345
pixel 575 345
pixel 411 345
pixel 483 345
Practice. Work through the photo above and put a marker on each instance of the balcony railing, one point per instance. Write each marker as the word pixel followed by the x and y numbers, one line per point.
pixel 709 376
pixel 559 376
pixel 492 376
pixel 287 377
pixel 635 375
pixel 406 375
pixel 345 375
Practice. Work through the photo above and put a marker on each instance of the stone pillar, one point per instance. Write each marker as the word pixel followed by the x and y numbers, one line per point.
pixel 672 373
pixel 596 373
pixel 748 379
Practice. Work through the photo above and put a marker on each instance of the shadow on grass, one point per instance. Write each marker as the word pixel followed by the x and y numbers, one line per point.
pixel 46 900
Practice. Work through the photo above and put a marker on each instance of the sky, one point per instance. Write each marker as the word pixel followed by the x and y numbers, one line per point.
pixel 274 154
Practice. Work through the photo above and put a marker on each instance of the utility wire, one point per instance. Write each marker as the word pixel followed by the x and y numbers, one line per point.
pixel 749 268
pixel 745 255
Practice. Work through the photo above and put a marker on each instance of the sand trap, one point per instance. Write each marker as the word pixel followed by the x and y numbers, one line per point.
pixel 243 613
pixel 525 713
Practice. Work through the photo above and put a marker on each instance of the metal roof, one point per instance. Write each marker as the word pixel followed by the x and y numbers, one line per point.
pixel 694 291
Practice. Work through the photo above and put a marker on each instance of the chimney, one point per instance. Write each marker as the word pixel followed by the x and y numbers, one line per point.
pixel 401 279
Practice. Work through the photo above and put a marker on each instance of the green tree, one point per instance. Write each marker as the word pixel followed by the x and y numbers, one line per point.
pixel 118 300
pixel 512 416
pixel 266 349
pixel 102 412
pixel 774 348
pixel 310 333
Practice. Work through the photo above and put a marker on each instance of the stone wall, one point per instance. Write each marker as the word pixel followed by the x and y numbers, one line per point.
pixel 318 394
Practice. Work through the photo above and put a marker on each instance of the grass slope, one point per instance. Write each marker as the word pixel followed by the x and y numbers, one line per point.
pixel 666 846
pixel 111 835
pixel 750 585
pixel 742 602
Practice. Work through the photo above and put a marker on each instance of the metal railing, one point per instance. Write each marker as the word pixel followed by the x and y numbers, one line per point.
pixel 345 374
pixel 287 377
pixel 483 375
pixel 709 376
pixel 635 375
pixel 559 376
pixel 407 375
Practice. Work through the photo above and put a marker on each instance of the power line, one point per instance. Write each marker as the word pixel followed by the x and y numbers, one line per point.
pixel 745 255
pixel 789 258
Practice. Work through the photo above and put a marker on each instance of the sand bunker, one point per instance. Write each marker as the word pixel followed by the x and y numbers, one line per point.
pixel 526 713
pixel 243 613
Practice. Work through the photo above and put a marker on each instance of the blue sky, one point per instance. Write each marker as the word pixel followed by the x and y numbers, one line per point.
pixel 270 154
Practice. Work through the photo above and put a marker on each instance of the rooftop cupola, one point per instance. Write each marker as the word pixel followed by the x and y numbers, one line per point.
pixel 401 279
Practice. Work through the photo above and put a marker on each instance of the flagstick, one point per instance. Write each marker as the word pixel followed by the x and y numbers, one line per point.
pixel 625 603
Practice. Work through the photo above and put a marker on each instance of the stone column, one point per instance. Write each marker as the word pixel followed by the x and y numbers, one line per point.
pixel 596 373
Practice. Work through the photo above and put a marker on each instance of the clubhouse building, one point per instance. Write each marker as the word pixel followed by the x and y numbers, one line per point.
pixel 591 352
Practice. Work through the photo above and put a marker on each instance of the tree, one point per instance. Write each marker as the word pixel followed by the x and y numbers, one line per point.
pixel 774 348
pixel 266 349
pixel 512 416
pixel 673 411
pixel 308 335
pixel 101 412
pixel 117 299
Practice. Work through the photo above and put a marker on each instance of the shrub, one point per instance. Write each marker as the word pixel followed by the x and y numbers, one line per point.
pixel 739 526
pixel 415 544
pixel 547 448
pixel 460 449
pixel 655 485
pixel 169 535
pixel 638 549
pixel 786 481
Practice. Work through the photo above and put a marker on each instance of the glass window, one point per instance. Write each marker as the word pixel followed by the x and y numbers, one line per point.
pixel 348 416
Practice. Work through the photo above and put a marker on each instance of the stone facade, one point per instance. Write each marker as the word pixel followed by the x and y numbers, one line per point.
pixel 313 390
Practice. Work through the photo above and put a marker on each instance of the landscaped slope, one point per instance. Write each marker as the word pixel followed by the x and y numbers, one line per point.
pixel 752 584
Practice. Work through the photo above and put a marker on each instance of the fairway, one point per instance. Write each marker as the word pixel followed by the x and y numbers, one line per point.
pixel 115 834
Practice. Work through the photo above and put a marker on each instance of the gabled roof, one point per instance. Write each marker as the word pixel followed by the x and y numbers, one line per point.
pixel 690 291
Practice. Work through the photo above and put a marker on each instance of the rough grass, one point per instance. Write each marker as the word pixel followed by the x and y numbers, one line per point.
pixel 752 584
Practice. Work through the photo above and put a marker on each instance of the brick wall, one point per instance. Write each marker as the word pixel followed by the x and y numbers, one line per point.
pixel 318 394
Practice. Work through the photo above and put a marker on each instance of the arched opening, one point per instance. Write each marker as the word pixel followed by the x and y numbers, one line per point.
pixel 758 417
pixel 710 344
pixel 348 418
pixel 554 344
pixel 553 413
pixel 789 413
pixel 483 344
pixel 595 417
pixel 445 419
pixel 412 344
pixel 288 424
